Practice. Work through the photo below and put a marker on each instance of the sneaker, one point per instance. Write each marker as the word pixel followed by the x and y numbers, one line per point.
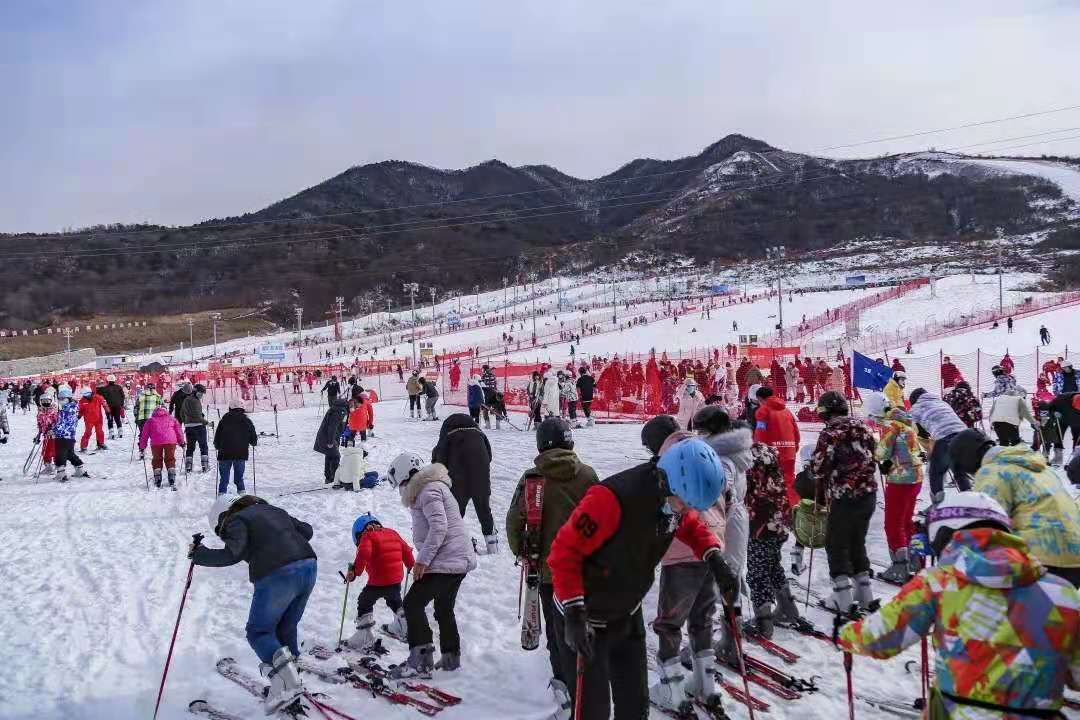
pixel 420 663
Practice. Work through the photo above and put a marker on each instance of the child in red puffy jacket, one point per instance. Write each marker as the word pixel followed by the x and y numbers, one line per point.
pixel 383 554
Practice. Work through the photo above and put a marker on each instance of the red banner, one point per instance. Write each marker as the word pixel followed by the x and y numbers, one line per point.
pixel 763 356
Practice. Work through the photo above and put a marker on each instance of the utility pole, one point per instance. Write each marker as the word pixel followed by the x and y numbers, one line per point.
pixel 432 290
pixel 387 312
pixel 412 288
pixel 215 317
pixel 299 324
pixel 1001 291
pixel 67 336
pixel 776 256
pixel 504 291
pixel 614 303
pixel 476 292
pixel 532 281
pixel 191 338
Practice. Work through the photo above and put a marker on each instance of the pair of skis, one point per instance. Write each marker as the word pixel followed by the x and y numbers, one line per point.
pixel 533 500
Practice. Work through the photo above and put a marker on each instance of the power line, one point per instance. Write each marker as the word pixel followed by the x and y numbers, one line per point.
pixel 1018 137
pixel 978 123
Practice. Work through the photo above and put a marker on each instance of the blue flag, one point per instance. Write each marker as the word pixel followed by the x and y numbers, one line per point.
pixel 867 374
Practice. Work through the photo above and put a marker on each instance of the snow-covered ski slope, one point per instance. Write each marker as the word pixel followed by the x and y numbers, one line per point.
pixel 1064 176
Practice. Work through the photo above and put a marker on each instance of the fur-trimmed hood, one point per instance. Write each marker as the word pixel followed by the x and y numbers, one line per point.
pixel 734 445
pixel 433 473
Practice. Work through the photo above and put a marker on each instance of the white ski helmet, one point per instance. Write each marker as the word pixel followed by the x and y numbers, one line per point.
pixel 110 378
pixel 221 504
pixel 876 405
pixel 403 467
pixel 959 511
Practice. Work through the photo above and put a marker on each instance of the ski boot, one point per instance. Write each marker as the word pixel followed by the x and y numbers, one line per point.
pixel 112 435
pixel 399 628
pixel 487 423
pixel 419 664
pixel 590 422
pixel 725 649
pixel 498 422
pixel 702 684
pixel 157 478
pixel 897 574
pixel 1058 457
pixel 763 620
pixel 562 699
pixel 172 478
pixel 864 593
pixel 47 469
pixel 449 661
pixel 363 638
pixel 61 475
pixel 205 463
pixel 788 611
pixel 669 693
pixel 796 557
pixel 81 472
pixel 843 596
pixel 490 546
pixel 285 683
pixel 189 463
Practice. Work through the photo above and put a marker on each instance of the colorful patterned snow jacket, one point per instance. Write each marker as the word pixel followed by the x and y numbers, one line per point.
pixel 766 492
pixel 899 445
pixel 843 461
pixel 964 404
pixel 66 420
pixel 1041 510
pixel 1005 632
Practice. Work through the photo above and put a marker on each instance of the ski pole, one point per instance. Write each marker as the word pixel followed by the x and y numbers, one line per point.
pixel 579 688
pixel 196 540
pixel 850 687
pixel 521 586
pixel 809 579
pixel 254 487
pixel 146 476
pixel 734 621
pixel 277 433
pixel 344 605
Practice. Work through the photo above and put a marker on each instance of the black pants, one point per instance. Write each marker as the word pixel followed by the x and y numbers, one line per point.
pixel 414 402
pixel 372 593
pixel 482 505
pixel 562 658
pixel 939 464
pixel 536 412
pixel 196 435
pixel 65 453
pixel 571 409
pixel 618 671
pixel 1070 574
pixel 586 407
pixel 331 460
pixel 114 418
pixel 442 590
pixel 474 413
pixel 1007 434
pixel 845 538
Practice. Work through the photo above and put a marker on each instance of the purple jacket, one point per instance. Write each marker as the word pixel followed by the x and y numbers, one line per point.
pixel 439 536
pixel 161 429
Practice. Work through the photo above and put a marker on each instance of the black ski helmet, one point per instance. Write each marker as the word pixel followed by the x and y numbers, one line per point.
pixel 966 451
pixel 711 419
pixel 657 430
pixel 997 371
pixel 200 388
pixel 831 404
pixel 916 394
pixel 554 432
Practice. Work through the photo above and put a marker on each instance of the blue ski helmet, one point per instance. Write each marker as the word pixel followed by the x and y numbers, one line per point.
pixel 693 472
pixel 362 522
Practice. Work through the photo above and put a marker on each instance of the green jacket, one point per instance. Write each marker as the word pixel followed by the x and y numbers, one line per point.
pixel 567 480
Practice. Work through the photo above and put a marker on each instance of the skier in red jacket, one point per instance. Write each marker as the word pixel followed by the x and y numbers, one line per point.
pixel 776 427
pixel 92 410
pixel 382 553
pixel 603 561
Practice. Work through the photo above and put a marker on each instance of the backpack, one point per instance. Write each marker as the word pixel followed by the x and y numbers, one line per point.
pixel 810 525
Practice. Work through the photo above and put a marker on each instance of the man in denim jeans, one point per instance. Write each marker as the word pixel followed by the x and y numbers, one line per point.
pixel 282 566
pixel 235 432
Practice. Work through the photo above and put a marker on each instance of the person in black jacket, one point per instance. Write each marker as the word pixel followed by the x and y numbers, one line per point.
pixel 282 566
pixel 332 388
pixel 235 433
pixel 465 451
pixel 329 436
pixel 1065 406
pixel 586 383
pixel 176 402
pixel 114 401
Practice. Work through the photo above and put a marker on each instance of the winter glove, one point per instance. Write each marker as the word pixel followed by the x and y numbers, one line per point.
pixel 196 541
pixel 838 623
pixel 885 467
pixel 579 635
pixel 37 438
pixel 726 581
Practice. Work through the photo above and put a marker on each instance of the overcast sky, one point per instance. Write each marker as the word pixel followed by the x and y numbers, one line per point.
pixel 175 111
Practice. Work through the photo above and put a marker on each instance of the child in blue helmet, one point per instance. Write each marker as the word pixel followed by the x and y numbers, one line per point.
pixel 64 432
pixel 382 553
